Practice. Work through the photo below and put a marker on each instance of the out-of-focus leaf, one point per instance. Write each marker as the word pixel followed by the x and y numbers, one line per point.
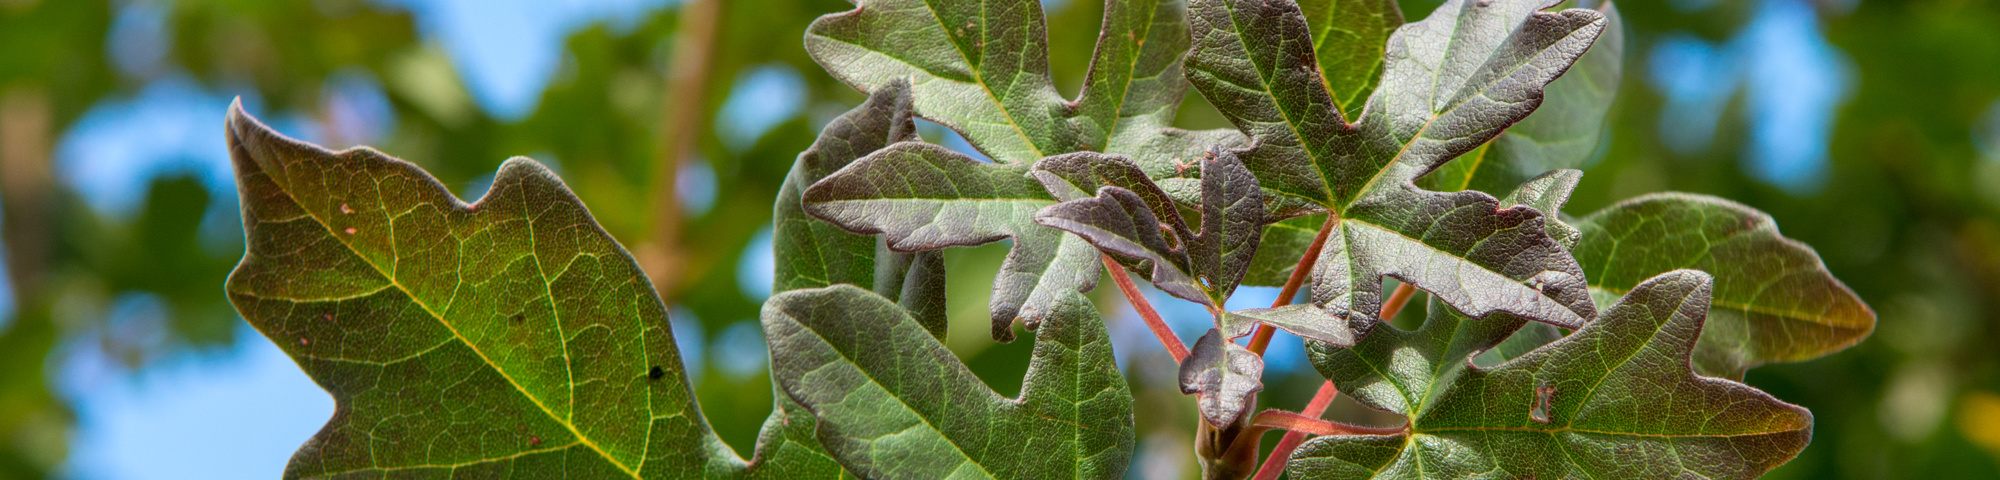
pixel 407 304
pixel 1223 376
pixel 924 197
pixel 1774 299
pixel 892 402
pixel 1348 39
pixel 1451 82
pixel 1614 400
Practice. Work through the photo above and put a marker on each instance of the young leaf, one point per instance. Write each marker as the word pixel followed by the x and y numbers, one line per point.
pixel 1232 224
pixel 1118 222
pixel 981 68
pixel 924 197
pixel 1774 300
pixel 892 402
pixel 1127 223
pixel 1451 82
pixel 1223 376
pixel 549 350
pixel 1614 400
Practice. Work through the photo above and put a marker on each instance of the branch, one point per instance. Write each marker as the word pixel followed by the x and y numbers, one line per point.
pixel 1145 309
pixel 1262 339
pixel 1274 464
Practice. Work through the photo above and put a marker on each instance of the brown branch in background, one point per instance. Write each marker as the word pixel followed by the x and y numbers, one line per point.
pixel 680 134
pixel 1145 308
pixel 1396 300
pixel 1262 339
pixel 25 182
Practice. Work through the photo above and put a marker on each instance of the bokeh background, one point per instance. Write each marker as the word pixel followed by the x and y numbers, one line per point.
pixel 1869 128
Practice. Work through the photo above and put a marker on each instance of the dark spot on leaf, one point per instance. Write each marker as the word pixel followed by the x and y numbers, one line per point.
pixel 304 341
pixel 534 441
pixel 326 317
pixel 656 373
pixel 518 318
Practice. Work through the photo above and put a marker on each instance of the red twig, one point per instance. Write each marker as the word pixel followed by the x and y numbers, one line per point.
pixel 1275 463
pixel 1145 308
pixel 1262 339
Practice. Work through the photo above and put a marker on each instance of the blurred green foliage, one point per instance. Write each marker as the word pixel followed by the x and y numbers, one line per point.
pixel 1906 216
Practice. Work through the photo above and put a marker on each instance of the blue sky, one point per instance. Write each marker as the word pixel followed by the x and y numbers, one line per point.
pixel 240 413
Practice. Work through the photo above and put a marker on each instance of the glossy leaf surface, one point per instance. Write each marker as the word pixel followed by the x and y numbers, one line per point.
pixel 1774 299
pixel 1617 399
pixel 892 402
pixel 510 336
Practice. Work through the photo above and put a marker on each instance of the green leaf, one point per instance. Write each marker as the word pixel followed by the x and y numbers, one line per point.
pixel 1616 399
pixel 1774 299
pixel 508 336
pixel 1284 242
pixel 1398 371
pixel 810 252
pixel 1224 377
pixel 1547 193
pixel 981 68
pixel 924 197
pixel 1451 82
pixel 892 402
pixel 1348 41
pixel 1563 133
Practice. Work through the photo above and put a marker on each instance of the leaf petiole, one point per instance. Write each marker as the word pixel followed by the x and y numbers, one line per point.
pixel 1262 339
pixel 1145 309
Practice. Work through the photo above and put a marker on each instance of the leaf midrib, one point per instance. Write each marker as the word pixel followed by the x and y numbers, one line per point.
pixel 580 437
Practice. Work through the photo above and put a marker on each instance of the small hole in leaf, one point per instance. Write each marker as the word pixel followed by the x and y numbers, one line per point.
pixel 534 441
pixel 656 373
pixel 351 230
pixel 1543 393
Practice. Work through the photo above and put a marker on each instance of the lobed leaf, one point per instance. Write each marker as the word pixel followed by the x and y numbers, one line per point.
pixel 924 197
pixel 510 336
pixel 1617 399
pixel 981 68
pixel 1564 132
pixel 1775 301
pixel 892 402
pixel 1451 82
pixel 1139 224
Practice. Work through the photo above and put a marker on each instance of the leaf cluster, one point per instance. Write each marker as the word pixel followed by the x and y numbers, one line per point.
pixel 1601 340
